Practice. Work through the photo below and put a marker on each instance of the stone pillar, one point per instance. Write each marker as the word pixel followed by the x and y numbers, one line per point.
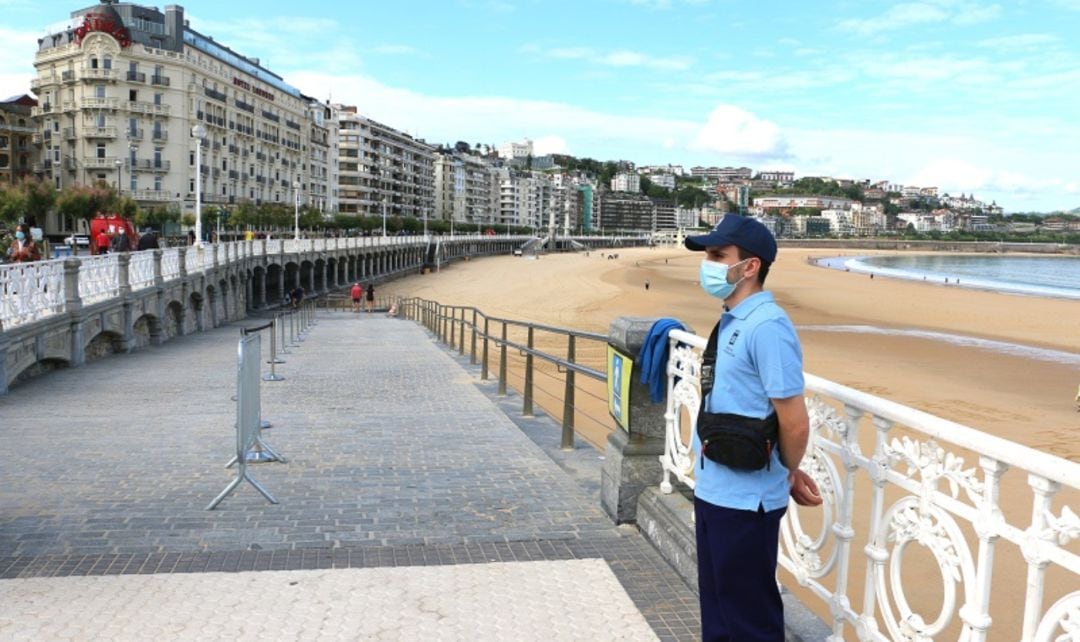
pixel 181 254
pixel 158 279
pixel 632 457
pixel 73 306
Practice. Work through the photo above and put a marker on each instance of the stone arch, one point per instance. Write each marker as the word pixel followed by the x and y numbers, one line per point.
pixel 195 318
pixel 274 279
pixel 174 320
pixel 103 344
pixel 144 330
pixel 38 368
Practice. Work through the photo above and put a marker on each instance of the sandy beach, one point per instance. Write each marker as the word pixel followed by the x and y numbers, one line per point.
pixel 1027 400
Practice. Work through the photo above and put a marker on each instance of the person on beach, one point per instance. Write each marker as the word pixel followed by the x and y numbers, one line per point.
pixel 758 373
pixel 370 297
pixel 357 293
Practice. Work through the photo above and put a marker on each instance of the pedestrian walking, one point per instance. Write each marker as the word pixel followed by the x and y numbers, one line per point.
pixel 370 297
pixel 357 294
pixel 102 242
pixel 754 386
pixel 23 249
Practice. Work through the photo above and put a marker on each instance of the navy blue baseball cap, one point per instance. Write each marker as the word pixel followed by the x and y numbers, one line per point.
pixel 742 232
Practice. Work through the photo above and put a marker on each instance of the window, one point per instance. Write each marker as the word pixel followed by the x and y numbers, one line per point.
pixel 93 63
pixel 134 181
pixel 157 157
pixel 101 150
pixel 133 67
pixel 133 127
pixel 106 62
pixel 191 159
pixel 99 91
pixel 101 120
pixel 158 97
pixel 133 95
pixel 157 183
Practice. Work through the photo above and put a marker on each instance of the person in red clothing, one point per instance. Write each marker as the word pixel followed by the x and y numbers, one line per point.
pixel 101 242
pixel 357 294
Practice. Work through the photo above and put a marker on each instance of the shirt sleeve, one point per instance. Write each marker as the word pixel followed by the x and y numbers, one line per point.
pixel 777 355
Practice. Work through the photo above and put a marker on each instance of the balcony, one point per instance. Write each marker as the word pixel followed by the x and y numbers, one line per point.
pixel 152 109
pixel 100 103
pixel 136 76
pixel 92 132
pixel 159 135
pixel 149 165
pixel 134 133
pixel 233 149
pixel 67 76
pixel 89 73
pixel 233 174
pixel 248 107
pixel 44 108
pixel 94 162
pixel 159 80
pixel 42 81
pixel 215 94
pixel 271 116
pixel 152 195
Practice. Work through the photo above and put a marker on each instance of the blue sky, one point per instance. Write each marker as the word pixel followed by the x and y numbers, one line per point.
pixel 967 95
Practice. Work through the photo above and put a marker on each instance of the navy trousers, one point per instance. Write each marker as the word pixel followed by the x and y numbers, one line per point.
pixel 736 551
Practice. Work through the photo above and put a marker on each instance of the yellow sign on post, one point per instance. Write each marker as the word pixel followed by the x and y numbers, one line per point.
pixel 619 369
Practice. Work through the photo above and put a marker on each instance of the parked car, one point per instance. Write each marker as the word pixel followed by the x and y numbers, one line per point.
pixel 80 240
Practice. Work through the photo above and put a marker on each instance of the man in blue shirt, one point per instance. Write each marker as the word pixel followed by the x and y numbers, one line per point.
pixel 758 372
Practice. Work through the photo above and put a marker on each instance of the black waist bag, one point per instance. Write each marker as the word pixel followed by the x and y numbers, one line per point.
pixel 738 442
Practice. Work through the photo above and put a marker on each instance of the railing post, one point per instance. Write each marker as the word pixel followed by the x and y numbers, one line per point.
pixel 461 334
pixel 158 279
pixel 568 399
pixel 484 353
pixel 502 362
pixel 181 258
pixel 527 403
pixel 123 265
pixel 72 300
pixel 472 342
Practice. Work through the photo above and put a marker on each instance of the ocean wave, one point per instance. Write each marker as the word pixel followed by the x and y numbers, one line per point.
pixel 1001 347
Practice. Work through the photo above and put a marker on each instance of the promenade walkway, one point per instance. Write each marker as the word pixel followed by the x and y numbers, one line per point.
pixel 414 504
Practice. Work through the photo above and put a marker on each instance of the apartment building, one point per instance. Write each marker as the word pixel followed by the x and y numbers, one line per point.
pixel 381 167
pixel 132 96
pixel 524 199
pixel 516 150
pixel 626 182
pixel 467 188
pixel 18 155
pixel 722 174
pixel 629 212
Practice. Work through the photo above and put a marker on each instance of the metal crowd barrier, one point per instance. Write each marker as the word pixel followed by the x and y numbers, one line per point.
pixel 248 420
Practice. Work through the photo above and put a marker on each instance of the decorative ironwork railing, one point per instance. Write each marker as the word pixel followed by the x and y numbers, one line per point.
pixel 31 291
pixel 99 278
pixel 141 270
pixel 894 479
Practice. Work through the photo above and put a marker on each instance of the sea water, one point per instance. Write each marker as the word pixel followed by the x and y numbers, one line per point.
pixel 1053 276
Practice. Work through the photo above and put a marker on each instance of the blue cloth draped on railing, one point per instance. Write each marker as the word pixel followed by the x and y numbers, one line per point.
pixel 654 355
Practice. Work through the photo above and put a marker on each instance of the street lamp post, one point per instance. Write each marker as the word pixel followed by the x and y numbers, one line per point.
pixel 424 213
pixel 199 132
pixel 296 209
pixel 119 175
pixel 384 218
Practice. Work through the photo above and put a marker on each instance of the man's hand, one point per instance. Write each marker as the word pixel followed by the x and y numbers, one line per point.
pixel 803 489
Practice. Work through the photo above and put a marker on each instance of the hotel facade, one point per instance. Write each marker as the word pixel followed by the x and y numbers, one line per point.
pixel 121 89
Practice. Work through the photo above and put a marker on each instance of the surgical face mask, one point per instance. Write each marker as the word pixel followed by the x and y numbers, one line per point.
pixel 714 278
pixel 19 235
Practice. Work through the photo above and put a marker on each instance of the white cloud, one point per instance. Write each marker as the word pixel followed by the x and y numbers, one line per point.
pixel 1019 41
pixel 733 130
pixel 615 58
pixel 909 14
pixel 16 61
pixel 550 145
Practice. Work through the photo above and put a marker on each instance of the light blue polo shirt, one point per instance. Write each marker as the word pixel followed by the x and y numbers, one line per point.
pixel 758 358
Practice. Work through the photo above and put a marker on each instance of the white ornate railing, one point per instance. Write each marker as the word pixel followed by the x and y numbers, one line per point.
pixel 141 270
pixel 170 264
pixel 912 496
pixel 99 278
pixel 31 291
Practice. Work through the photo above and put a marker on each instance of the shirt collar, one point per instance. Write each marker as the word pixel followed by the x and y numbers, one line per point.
pixel 750 303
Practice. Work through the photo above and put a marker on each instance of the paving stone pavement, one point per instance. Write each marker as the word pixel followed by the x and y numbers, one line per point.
pixel 397 457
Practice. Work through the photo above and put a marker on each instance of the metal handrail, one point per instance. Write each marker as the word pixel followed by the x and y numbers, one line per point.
pixel 451 322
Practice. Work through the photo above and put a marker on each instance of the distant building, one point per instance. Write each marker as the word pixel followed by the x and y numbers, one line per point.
pixel 515 150
pixel 666 181
pixel 466 189
pixel 722 174
pixel 776 177
pixel 628 212
pixel 17 153
pixel 626 182
pixel 770 203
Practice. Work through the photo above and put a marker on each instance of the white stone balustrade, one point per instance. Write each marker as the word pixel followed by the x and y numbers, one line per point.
pixel 930 495
pixel 170 263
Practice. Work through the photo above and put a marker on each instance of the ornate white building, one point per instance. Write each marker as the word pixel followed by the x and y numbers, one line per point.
pixel 121 88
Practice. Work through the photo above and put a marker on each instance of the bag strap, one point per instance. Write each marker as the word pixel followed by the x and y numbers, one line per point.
pixel 708 365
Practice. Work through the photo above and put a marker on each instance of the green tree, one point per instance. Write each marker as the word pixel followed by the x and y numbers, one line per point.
pixel 84 202
pixel 12 203
pixel 40 197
